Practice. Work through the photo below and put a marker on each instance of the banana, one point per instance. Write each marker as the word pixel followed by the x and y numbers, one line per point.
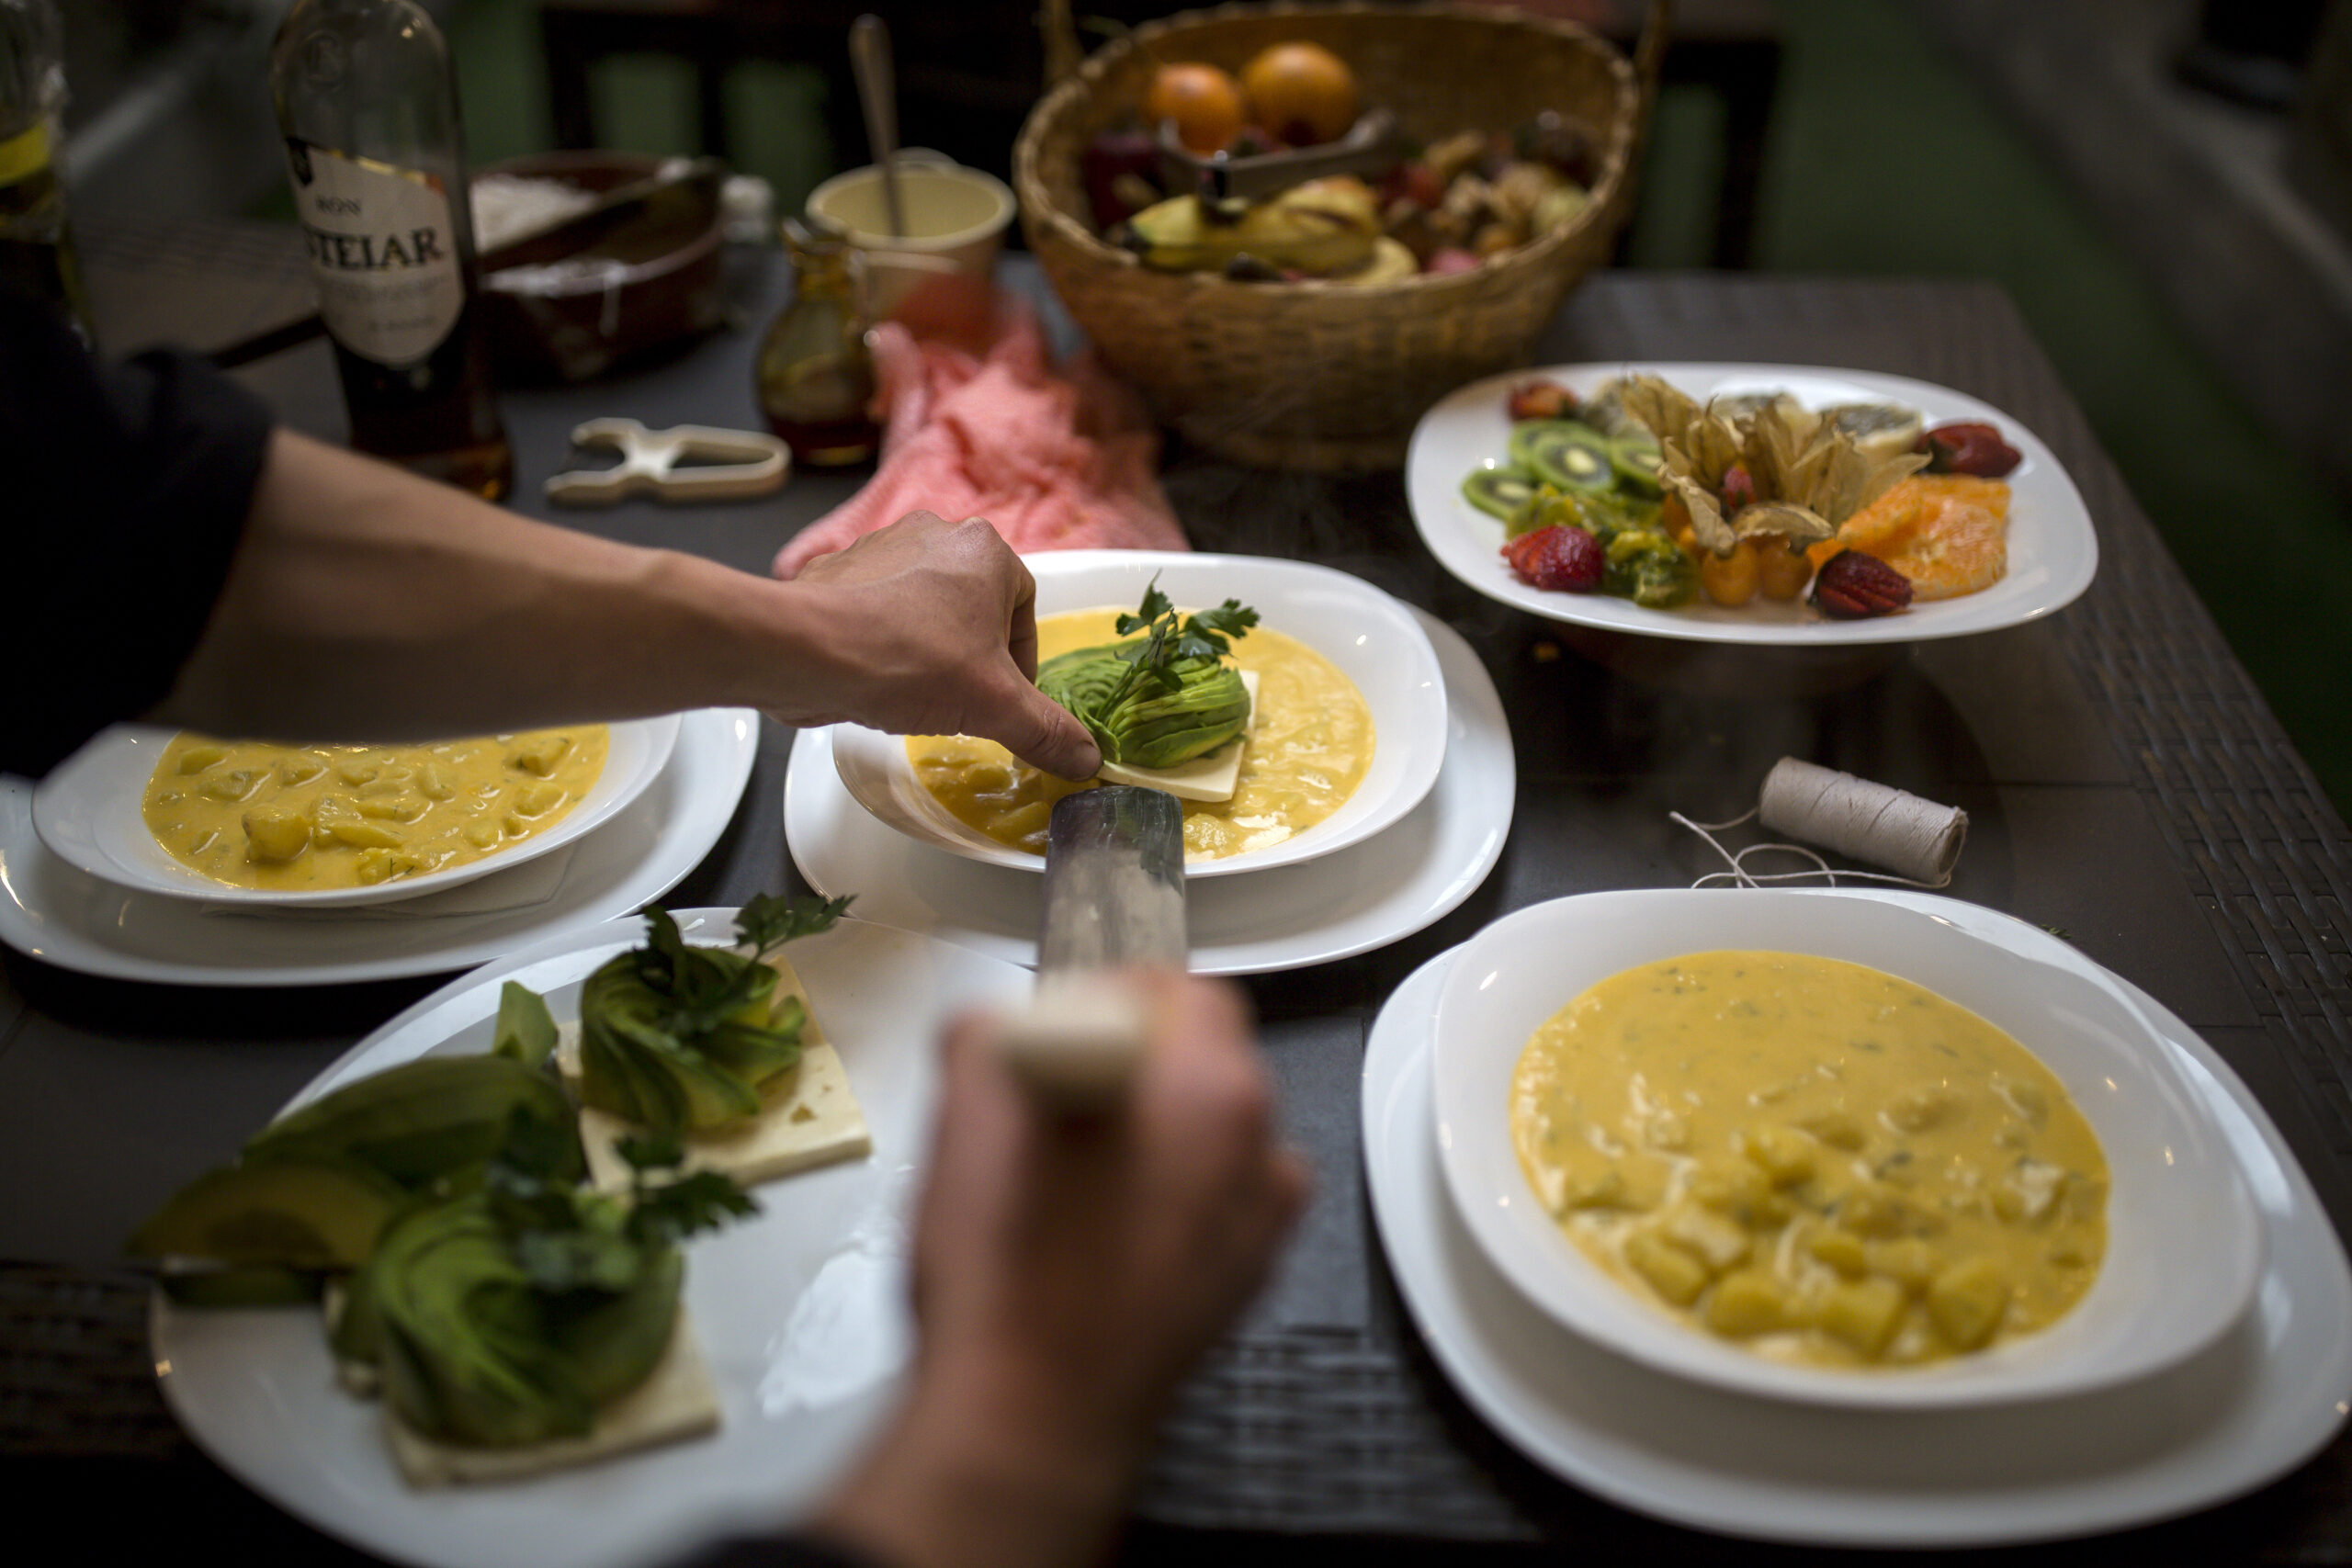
pixel 1390 262
pixel 1322 226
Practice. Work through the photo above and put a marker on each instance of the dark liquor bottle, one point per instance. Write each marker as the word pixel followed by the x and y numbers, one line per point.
pixel 36 242
pixel 369 105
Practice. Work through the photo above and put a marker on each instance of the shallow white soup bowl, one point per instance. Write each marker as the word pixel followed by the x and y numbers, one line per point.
pixel 2184 1246
pixel 1370 637
pixel 88 813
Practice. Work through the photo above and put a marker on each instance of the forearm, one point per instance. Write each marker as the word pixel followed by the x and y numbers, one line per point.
pixel 365 603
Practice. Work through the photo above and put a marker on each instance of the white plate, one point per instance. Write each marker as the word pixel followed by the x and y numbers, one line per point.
pixel 88 812
pixel 1363 897
pixel 2052 550
pixel 55 913
pixel 1372 638
pixel 800 1310
pixel 2183 1250
pixel 2258 1403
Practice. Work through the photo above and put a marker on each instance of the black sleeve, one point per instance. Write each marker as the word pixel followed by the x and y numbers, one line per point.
pixel 126 492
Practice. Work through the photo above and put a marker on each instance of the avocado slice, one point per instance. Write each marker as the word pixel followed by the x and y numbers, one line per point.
pixel 244 1285
pixel 1565 452
pixel 462 1360
pixel 474 1353
pixel 286 1212
pixel 425 1119
pixel 525 1031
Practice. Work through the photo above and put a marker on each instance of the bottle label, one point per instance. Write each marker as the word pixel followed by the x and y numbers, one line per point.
pixel 383 252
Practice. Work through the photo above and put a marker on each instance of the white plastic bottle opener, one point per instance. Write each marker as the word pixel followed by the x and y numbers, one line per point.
pixel 729 465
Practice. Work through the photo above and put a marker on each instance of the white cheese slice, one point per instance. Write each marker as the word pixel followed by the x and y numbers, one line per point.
pixel 1208 777
pixel 807 1117
pixel 677 1400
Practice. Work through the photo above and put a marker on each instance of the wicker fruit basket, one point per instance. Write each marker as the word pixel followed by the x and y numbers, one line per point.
pixel 1318 374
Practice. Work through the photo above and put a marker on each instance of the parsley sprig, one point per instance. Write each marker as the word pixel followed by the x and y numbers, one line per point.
pixel 1207 635
pixel 699 992
pixel 565 1239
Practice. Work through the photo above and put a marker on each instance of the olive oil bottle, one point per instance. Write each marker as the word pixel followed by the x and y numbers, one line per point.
pixel 367 103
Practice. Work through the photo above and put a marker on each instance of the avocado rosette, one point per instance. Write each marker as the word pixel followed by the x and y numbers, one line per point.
pixel 1165 697
pixel 1145 726
pixel 474 1352
pixel 676 1038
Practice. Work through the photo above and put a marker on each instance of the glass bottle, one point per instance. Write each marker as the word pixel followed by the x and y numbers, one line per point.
pixel 814 378
pixel 367 102
pixel 35 241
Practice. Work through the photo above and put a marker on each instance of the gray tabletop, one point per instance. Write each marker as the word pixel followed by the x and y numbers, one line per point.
pixel 2124 783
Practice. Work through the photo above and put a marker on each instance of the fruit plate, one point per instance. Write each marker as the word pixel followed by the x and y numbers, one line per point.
pixel 801 1310
pixel 2054 550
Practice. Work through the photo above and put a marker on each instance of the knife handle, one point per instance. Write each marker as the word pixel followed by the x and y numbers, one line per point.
pixel 1076 1043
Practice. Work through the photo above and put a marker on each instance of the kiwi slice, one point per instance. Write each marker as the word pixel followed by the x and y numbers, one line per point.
pixel 1567 452
pixel 1634 455
pixel 1501 492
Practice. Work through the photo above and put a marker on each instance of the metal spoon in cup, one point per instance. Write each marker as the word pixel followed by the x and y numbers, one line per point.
pixel 869 58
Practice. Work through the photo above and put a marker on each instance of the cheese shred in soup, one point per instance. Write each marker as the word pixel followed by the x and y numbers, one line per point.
pixel 303 819
pixel 1311 745
pixel 1826 1164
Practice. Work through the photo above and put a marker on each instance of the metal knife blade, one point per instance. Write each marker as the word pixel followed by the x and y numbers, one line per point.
pixel 1114 899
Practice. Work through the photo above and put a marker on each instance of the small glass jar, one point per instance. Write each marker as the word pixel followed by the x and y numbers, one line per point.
pixel 814 378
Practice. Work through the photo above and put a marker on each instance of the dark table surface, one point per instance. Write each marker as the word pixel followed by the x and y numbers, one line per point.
pixel 2124 782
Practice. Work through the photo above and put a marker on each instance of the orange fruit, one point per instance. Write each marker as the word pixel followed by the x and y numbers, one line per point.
pixel 1300 93
pixel 1204 101
pixel 1957 548
pixel 1947 533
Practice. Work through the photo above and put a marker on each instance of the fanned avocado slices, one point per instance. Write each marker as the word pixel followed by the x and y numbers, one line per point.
pixel 1138 723
pixel 1165 697
pixel 676 1038
pixel 475 1353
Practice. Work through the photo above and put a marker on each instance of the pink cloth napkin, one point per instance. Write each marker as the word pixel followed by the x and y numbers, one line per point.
pixel 1057 458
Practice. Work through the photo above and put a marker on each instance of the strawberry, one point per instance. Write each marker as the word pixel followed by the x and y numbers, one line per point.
pixel 1542 398
pixel 1559 557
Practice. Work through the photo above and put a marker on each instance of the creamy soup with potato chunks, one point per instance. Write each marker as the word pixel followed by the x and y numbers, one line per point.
pixel 305 819
pixel 1311 745
pixel 1825 1163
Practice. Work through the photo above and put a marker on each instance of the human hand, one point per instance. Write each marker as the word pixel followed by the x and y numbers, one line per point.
pixel 929 627
pixel 1067 1272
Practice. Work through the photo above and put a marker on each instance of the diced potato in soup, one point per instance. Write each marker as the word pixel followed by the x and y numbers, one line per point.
pixel 1310 746
pixel 1826 1164
pixel 303 819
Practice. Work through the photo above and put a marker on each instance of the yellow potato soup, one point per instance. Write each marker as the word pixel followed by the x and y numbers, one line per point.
pixel 305 819
pixel 1311 745
pixel 1825 1163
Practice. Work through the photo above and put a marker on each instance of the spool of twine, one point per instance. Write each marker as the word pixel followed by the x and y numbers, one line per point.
pixel 1864 820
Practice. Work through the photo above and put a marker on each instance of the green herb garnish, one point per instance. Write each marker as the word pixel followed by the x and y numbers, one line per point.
pixel 1161 698
pixel 674 1037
